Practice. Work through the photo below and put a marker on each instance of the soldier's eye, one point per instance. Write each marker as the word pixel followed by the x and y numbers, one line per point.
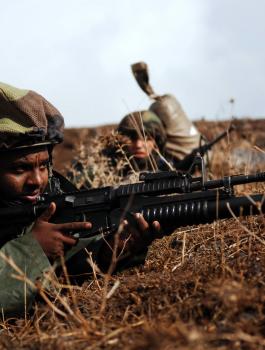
pixel 44 165
pixel 126 140
pixel 20 169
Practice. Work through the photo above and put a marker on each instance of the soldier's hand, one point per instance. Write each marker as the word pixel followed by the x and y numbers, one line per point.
pixel 134 235
pixel 53 237
pixel 140 234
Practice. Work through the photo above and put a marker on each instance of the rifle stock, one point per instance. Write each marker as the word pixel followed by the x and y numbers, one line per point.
pixel 172 198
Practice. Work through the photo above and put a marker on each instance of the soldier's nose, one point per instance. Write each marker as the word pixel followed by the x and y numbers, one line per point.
pixel 139 143
pixel 35 178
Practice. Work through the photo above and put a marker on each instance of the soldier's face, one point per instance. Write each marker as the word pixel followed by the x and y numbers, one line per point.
pixel 23 174
pixel 140 148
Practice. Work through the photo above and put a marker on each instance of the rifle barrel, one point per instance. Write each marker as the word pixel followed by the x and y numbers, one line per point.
pixel 222 135
pixel 228 181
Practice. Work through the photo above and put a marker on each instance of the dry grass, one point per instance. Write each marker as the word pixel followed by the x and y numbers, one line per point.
pixel 200 288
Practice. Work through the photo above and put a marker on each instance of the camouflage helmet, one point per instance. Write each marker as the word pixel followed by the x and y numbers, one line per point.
pixel 27 119
pixel 132 125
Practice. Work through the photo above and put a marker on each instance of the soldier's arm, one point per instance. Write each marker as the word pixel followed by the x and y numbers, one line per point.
pixel 22 260
pixel 25 260
pixel 182 135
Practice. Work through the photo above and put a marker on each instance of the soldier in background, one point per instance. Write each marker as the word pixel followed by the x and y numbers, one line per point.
pixel 162 137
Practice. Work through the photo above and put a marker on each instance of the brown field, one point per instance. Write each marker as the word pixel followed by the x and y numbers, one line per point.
pixel 203 287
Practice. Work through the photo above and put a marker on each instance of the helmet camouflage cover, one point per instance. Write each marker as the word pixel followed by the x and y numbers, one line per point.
pixel 141 123
pixel 27 119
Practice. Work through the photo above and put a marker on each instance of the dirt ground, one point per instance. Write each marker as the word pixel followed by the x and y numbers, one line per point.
pixel 203 287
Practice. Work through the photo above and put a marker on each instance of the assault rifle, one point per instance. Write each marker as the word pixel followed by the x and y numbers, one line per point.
pixel 187 163
pixel 174 199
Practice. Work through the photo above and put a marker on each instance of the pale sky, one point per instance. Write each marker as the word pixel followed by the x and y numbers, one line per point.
pixel 77 54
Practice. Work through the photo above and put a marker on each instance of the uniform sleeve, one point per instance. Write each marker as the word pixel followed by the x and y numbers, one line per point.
pixel 182 136
pixel 16 296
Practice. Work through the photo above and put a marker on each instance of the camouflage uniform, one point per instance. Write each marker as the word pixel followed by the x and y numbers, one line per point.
pixel 26 119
